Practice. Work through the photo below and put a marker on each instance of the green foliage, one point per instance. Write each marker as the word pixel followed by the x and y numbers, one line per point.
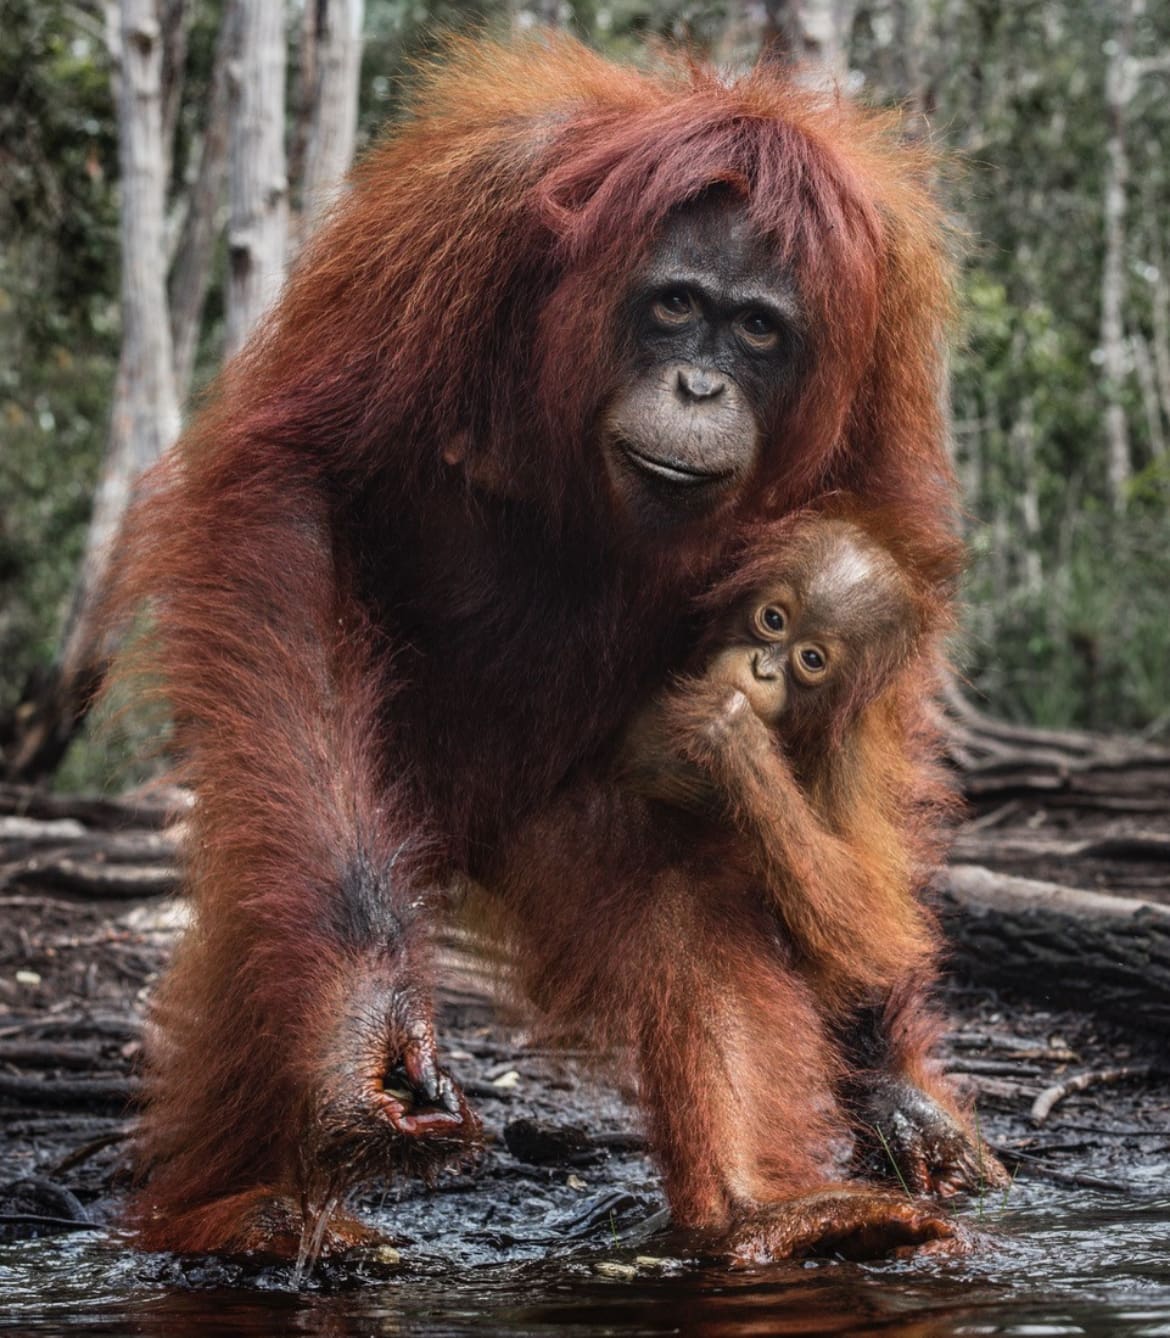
pixel 1067 620
pixel 58 316
pixel 58 163
pixel 1091 645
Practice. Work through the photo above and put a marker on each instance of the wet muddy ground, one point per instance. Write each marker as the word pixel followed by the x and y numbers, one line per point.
pixel 560 1227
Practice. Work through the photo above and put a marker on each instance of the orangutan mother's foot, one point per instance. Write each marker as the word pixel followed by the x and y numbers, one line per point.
pixel 261 1225
pixel 856 1223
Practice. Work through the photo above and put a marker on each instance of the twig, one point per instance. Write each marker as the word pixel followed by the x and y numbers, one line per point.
pixel 87 1150
pixel 1033 1166
pixel 1082 1181
pixel 991 818
pixel 49 1055
pixel 1079 1082
pixel 1005 1068
pixel 43 1220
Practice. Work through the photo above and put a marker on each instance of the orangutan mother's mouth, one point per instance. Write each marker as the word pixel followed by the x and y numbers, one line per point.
pixel 672 471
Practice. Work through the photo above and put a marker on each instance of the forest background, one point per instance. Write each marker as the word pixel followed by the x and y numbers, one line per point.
pixel 1054 118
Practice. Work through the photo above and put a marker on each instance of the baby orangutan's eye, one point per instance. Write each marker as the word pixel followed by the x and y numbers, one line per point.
pixel 771 621
pixel 811 664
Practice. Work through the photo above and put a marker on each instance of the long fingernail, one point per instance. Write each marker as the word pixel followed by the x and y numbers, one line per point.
pixel 449 1096
pixel 429 1079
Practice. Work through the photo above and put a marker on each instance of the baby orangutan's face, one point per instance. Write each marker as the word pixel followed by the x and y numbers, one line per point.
pixel 838 607
pixel 778 651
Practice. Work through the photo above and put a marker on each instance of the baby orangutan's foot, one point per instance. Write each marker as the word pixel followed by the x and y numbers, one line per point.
pixel 856 1223
pixel 915 1141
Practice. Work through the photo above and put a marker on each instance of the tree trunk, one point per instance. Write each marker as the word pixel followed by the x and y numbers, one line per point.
pixel 1160 315
pixel 912 37
pixel 175 18
pixel 1147 378
pixel 1069 946
pixel 196 250
pixel 333 123
pixel 813 33
pixel 258 185
pixel 1023 440
pixel 1119 90
pixel 145 416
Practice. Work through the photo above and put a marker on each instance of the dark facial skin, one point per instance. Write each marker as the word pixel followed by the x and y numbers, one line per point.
pixel 713 328
pixel 792 646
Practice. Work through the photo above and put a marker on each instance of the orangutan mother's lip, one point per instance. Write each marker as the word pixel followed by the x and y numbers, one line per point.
pixel 685 476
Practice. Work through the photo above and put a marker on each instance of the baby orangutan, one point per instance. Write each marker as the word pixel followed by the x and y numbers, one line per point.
pixel 752 932
pixel 783 732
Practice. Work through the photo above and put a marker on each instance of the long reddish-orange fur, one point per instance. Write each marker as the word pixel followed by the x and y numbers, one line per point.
pixel 353 642
pixel 740 943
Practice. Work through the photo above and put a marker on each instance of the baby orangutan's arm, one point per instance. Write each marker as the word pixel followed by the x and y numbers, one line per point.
pixel 700 747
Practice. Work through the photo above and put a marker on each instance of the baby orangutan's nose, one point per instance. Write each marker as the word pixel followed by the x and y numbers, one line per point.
pixel 764 667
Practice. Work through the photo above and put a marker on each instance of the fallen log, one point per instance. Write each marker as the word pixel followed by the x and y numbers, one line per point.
pixel 1136 787
pixel 89 1094
pixel 986 737
pixel 994 847
pixel 21 837
pixel 1060 944
pixel 1000 762
pixel 91 878
pixel 153 810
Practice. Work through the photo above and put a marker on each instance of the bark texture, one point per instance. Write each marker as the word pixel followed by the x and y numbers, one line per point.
pixel 201 226
pixel 258 182
pixel 1069 946
pixel 333 124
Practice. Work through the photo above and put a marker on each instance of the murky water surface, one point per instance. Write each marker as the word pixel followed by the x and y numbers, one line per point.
pixel 1047 1262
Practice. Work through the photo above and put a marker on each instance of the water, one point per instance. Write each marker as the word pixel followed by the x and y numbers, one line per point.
pixel 1047 1261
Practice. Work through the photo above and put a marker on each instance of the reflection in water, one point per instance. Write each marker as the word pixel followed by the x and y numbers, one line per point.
pixel 1053 1263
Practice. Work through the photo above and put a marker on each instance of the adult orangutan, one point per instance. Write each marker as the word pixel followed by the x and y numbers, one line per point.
pixel 771 902
pixel 571 326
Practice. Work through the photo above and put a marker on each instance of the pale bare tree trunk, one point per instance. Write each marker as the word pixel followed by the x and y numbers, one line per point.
pixel 333 125
pixel 174 19
pixel 1160 315
pixel 815 33
pixel 1147 378
pixel 903 35
pixel 258 183
pixel 971 457
pixel 527 14
pixel 1001 530
pixel 196 249
pixel 303 99
pixel 1023 440
pixel 1119 90
pixel 145 417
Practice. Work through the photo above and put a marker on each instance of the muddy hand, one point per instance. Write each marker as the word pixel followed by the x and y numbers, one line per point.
pixel 419 1098
pixel 385 1103
pixel 915 1141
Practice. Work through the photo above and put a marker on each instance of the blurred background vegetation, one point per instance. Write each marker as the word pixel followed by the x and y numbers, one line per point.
pixel 1056 117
